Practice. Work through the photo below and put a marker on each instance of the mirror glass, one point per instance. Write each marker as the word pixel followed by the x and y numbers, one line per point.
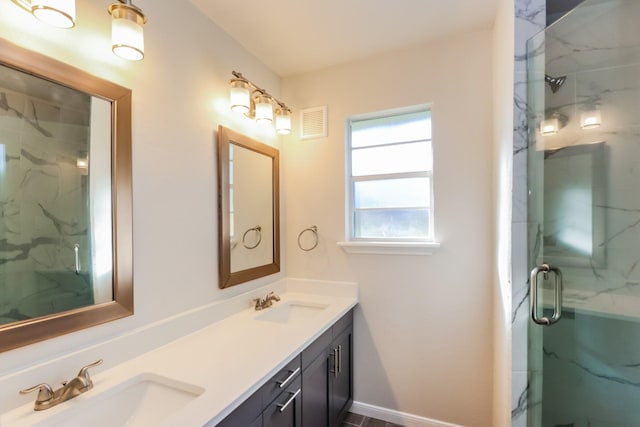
pixel 248 212
pixel 63 168
pixel 574 218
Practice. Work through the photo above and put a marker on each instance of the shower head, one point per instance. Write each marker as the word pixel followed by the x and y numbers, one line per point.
pixel 555 83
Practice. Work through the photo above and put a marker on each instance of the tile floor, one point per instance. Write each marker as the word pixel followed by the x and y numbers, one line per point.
pixel 355 420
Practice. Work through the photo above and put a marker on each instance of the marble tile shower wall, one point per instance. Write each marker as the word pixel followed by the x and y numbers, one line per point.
pixel 43 207
pixel 591 359
pixel 529 20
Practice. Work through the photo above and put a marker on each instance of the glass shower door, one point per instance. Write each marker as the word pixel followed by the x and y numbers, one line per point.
pixel 584 218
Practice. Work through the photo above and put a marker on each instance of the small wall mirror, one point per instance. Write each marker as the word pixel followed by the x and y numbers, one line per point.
pixel 248 214
pixel 65 199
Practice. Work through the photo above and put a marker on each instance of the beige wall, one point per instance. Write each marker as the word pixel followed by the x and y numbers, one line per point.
pixel 424 326
pixel 503 68
pixel 180 95
pixel 423 338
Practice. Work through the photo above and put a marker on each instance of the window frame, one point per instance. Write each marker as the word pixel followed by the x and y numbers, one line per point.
pixel 390 244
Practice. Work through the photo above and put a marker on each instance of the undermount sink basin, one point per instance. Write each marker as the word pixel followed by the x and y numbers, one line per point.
pixel 145 400
pixel 291 311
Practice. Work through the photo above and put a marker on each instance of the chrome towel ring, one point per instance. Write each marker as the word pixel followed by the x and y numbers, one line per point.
pixel 258 231
pixel 313 229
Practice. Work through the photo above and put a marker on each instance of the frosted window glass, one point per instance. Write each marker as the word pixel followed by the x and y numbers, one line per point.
pixel 392 193
pixel 396 223
pixel 411 157
pixel 385 130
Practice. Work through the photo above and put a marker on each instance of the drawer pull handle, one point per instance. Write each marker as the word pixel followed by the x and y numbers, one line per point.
pixel 288 402
pixel 339 358
pixel 289 378
pixel 336 364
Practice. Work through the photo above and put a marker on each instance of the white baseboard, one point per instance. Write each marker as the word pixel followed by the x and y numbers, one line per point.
pixel 396 417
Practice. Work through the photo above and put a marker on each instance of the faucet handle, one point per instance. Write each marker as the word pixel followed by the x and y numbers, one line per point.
pixel 45 392
pixel 84 372
pixel 271 296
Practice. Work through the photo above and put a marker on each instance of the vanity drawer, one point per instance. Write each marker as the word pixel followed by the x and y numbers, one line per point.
pixel 286 409
pixel 280 381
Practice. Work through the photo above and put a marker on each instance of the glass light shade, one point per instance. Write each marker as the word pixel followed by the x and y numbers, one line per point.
pixel 127 35
pixel 549 126
pixel 59 13
pixel 82 162
pixel 239 97
pixel 283 121
pixel 264 110
pixel 590 119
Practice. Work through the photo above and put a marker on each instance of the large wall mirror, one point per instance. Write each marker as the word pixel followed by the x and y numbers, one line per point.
pixel 65 199
pixel 248 214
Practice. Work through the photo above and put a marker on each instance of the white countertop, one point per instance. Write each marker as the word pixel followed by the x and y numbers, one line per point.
pixel 228 360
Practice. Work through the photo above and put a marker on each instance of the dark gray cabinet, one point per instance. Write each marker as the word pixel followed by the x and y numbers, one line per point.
pixel 315 402
pixel 286 409
pixel 340 377
pixel 315 389
pixel 327 376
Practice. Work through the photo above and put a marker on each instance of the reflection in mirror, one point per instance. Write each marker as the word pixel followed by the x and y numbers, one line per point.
pixel 65 151
pixel 248 213
pixel 574 197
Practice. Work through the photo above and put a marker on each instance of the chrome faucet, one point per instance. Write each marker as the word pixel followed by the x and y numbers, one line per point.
pixel 48 398
pixel 266 302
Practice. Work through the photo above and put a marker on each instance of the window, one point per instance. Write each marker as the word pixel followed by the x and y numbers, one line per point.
pixel 390 169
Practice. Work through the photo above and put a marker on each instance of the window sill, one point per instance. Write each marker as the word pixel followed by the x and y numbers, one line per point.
pixel 389 248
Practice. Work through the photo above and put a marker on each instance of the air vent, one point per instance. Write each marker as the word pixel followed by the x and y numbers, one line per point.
pixel 314 122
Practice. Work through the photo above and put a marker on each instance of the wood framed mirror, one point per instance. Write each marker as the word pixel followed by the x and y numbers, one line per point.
pixel 248 208
pixel 66 251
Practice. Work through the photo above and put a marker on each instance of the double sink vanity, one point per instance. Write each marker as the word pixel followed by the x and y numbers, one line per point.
pixel 283 360
pixel 289 364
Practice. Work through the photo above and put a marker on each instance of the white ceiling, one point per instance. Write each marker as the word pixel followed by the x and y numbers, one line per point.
pixel 295 36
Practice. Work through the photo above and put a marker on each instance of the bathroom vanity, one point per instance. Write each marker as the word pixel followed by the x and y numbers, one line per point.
pixel 290 364
pixel 314 389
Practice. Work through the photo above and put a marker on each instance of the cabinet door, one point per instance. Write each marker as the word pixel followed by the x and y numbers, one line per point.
pixel 315 401
pixel 286 409
pixel 257 422
pixel 245 414
pixel 340 377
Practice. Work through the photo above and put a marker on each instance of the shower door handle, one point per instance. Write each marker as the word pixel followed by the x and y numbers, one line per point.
pixel 557 299
pixel 76 254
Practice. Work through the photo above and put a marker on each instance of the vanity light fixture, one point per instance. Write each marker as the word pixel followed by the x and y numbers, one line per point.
pixel 58 13
pixel 264 110
pixel 590 119
pixel 240 99
pixel 82 160
pixel 553 123
pixel 256 103
pixel 283 121
pixel 127 35
pixel 549 126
